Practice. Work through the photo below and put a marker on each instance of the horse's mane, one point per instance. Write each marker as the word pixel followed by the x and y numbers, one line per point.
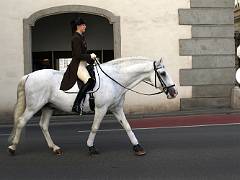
pixel 130 60
pixel 124 62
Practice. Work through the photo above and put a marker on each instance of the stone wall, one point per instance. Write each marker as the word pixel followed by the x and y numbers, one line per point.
pixel 212 50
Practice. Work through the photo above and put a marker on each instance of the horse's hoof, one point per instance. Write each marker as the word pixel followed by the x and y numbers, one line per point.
pixel 93 150
pixel 11 151
pixel 139 151
pixel 58 152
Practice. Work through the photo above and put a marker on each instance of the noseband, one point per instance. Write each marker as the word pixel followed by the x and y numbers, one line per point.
pixel 157 75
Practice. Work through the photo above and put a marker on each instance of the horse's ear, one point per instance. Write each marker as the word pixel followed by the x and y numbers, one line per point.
pixel 158 62
pixel 161 61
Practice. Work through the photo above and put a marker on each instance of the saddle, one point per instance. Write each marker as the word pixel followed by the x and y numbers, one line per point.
pixel 91 72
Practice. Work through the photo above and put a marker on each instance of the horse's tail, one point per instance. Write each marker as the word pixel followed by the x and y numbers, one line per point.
pixel 21 99
pixel 20 106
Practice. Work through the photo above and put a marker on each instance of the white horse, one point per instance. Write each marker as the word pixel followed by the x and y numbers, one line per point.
pixel 39 90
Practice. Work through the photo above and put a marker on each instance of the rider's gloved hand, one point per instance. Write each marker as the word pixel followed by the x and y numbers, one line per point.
pixel 93 56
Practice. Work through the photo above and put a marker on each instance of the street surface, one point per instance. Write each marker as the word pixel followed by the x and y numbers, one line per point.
pixel 178 148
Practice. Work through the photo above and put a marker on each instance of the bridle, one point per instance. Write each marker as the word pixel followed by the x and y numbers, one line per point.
pixel 165 87
pixel 157 75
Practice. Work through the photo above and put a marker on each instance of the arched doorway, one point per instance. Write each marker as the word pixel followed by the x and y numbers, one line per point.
pixel 67 12
pixel 51 37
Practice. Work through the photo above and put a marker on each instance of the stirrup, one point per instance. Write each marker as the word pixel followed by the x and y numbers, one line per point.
pixel 81 111
pixel 81 107
pixel 75 109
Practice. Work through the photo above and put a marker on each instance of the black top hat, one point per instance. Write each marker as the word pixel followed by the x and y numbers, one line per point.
pixel 78 21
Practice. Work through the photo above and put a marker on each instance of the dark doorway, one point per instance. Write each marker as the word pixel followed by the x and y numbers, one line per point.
pixel 51 38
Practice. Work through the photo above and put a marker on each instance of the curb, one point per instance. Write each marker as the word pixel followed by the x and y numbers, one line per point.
pixel 109 118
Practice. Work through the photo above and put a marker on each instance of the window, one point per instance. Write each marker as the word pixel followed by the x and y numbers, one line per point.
pixel 63 63
pixel 60 59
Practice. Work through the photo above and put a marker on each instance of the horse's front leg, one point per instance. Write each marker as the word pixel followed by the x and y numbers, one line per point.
pixel 119 114
pixel 99 114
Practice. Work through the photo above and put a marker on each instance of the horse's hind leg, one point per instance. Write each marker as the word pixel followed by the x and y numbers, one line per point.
pixel 119 114
pixel 23 119
pixel 44 123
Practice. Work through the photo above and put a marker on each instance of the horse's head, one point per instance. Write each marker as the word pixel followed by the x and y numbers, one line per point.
pixel 162 80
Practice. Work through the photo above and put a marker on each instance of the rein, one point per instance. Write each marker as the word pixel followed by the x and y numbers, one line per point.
pixel 165 89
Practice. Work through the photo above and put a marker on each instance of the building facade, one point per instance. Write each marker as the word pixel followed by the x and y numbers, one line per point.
pixel 195 38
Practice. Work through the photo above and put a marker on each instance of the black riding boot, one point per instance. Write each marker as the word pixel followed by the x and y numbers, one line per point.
pixel 81 94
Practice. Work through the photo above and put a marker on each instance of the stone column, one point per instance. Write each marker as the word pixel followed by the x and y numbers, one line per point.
pixel 212 49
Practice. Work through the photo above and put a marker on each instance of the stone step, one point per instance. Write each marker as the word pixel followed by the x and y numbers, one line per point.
pixel 204 103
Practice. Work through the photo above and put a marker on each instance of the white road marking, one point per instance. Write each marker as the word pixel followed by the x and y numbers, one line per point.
pixel 153 128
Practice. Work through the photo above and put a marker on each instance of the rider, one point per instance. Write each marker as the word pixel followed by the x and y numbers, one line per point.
pixel 77 67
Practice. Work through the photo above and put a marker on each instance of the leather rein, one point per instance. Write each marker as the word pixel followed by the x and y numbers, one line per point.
pixel 157 75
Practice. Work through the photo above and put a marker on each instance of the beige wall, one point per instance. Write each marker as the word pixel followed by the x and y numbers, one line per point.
pixel 148 28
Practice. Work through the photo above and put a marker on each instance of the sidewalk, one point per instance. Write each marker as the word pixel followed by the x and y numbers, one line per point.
pixel 176 117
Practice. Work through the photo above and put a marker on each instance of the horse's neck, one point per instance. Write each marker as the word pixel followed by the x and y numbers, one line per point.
pixel 130 73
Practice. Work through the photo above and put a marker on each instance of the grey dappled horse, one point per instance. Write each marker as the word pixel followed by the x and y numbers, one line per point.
pixel 39 90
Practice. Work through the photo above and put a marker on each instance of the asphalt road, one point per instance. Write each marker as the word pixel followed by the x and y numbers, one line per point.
pixel 199 153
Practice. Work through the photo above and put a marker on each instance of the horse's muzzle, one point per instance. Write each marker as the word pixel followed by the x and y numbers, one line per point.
pixel 172 93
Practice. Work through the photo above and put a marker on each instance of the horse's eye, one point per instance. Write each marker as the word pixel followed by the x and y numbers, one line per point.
pixel 163 73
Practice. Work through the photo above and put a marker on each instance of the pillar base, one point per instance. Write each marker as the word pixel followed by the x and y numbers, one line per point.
pixel 235 98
